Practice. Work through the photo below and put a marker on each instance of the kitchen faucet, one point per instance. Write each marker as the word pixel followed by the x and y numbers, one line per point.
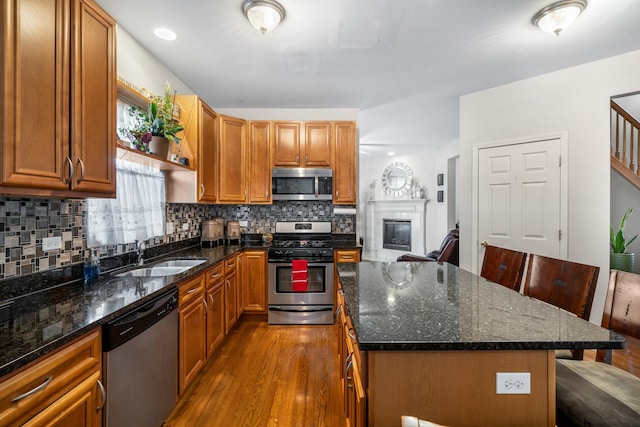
pixel 140 247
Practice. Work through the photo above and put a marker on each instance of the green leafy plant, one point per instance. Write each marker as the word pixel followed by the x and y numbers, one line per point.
pixel 156 120
pixel 618 242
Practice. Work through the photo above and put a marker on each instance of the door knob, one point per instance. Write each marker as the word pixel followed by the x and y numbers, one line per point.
pixel 484 244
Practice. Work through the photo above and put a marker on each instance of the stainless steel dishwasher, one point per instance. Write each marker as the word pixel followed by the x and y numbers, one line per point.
pixel 141 364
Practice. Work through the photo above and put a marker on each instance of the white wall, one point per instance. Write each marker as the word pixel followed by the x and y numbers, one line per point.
pixel 625 195
pixel 143 70
pixel 575 100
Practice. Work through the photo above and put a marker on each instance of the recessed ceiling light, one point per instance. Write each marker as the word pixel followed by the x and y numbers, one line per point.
pixel 391 153
pixel 165 34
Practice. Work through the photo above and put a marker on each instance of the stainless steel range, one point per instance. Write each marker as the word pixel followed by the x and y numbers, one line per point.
pixel 301 274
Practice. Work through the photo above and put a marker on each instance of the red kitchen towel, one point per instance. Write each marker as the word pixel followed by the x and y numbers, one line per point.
pixel 299 275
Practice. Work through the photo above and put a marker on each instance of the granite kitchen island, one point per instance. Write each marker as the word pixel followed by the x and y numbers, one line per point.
pixel 432 337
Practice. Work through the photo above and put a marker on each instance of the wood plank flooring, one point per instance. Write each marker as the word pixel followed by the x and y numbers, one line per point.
pixel 267 375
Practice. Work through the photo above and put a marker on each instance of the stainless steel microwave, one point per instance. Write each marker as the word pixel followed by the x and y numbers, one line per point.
pixel 302 184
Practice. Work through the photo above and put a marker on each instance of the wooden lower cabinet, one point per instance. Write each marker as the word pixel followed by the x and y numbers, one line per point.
pixel 69 391
pixel 254 281
pixel 192 314
pixel 230 301
pixel 353 375
pixel 215 317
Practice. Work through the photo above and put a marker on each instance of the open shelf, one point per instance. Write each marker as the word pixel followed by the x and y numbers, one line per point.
pixel 129 154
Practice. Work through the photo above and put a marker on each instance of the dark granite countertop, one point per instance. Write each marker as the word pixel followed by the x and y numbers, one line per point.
pixel 432 306
pixel 45 320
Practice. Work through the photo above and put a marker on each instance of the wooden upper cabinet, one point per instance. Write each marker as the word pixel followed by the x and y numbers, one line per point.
pixel 200 138
pixel 58 122
pixel 232 160
pixel 317 144
pixel 259 165
pixel 344 164
pixel 208 159
pixel 302 144
pixel 286 144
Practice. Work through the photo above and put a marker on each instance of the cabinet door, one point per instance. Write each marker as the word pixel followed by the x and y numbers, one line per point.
pixel 240 288
pixel 35 94
pixel 80 407
pixel 259 165
pixel 231 285
pixel 231 160
pixel 286 144
pixel 215 317
pixel 208 158
pixel 344 165
pixel 255 281
pixel 317 144
pixel 192 341
pixel 93 107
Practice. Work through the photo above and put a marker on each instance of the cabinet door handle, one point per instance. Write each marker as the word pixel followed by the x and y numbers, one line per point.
pixel 297 158
pixel 338 310
pixel 215 276
pixel 190 291
pixel 347 377
pixel 337 193
pixel 341 291
pixel 267 195
pixel 34 390
pixel 103 393
pixel 81 163
pixel 71 171
pixel 347 256
pixel 228 284
pixel 206 306
pixel 213 299
pixel 201 190
pixel 306 158
pixel 351 334
pixel 347 362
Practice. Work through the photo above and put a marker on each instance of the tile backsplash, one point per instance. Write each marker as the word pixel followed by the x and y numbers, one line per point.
pixel 25 222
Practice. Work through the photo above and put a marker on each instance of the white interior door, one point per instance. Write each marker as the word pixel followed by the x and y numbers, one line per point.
pixel 519 197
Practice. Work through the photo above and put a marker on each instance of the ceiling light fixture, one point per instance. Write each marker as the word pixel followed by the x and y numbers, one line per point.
pixel 558 16
pixel 264 15
pixel 165 34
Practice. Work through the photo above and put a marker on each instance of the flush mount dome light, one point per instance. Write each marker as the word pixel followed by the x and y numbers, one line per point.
pixel 264 15
pixel 165 34
pixel 558 16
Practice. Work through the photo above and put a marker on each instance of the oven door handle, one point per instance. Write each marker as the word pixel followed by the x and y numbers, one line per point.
pixel 309 261
pixel 303 310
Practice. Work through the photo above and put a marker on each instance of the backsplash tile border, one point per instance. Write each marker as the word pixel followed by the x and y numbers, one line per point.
pixel 24 222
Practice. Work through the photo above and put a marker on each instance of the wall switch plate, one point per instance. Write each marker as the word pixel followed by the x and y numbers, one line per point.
pixel 51 243
pixel 185 226
pixel 513 383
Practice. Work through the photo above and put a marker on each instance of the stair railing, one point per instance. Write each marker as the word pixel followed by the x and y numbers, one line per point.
pixel 625 151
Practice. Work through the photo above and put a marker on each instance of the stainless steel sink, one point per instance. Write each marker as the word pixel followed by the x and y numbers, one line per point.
pixel 180 263
pixel 165 268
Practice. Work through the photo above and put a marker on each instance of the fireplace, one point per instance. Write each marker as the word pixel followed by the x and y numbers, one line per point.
pixel 396 234
pixel 408 229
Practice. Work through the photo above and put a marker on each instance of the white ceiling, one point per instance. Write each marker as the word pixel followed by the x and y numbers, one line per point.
pixel 403 63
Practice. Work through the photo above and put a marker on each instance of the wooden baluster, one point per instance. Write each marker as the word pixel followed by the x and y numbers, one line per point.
pixel 624 142
pixel 637 140
pixel 617 141
pixel 631 151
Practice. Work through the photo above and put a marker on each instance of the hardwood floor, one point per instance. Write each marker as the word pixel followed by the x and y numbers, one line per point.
pixel 267 375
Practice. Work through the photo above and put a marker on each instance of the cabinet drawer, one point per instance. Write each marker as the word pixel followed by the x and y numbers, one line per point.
pixel 347 255
pixel 230 265
pixel 215 274
pixel 49 379
pixel 191 290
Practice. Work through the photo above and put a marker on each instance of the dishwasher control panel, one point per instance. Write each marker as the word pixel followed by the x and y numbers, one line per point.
pixel 127 326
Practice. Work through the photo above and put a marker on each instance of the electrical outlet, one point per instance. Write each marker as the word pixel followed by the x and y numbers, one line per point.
pixel 513 383
pixel 51 243
pixel 185 226
pixel 243 223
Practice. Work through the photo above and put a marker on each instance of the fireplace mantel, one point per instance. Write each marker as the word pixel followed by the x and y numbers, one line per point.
pixel 379 210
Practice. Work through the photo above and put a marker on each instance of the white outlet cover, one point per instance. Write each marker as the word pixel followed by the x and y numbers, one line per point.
pixel 51 243
pixel 513 383
pixel 185 226
pixel 243 223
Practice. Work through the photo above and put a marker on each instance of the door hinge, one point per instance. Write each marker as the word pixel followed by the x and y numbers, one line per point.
pixel 559 234
pixel 560 161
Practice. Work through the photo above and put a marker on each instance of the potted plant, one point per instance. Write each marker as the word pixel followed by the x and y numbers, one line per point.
pixel 620 259
pixel 154 127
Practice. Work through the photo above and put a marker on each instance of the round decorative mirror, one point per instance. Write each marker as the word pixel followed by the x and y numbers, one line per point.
pixel 397 179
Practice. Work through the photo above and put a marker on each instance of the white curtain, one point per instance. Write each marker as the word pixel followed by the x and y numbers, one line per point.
pixel 137 212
